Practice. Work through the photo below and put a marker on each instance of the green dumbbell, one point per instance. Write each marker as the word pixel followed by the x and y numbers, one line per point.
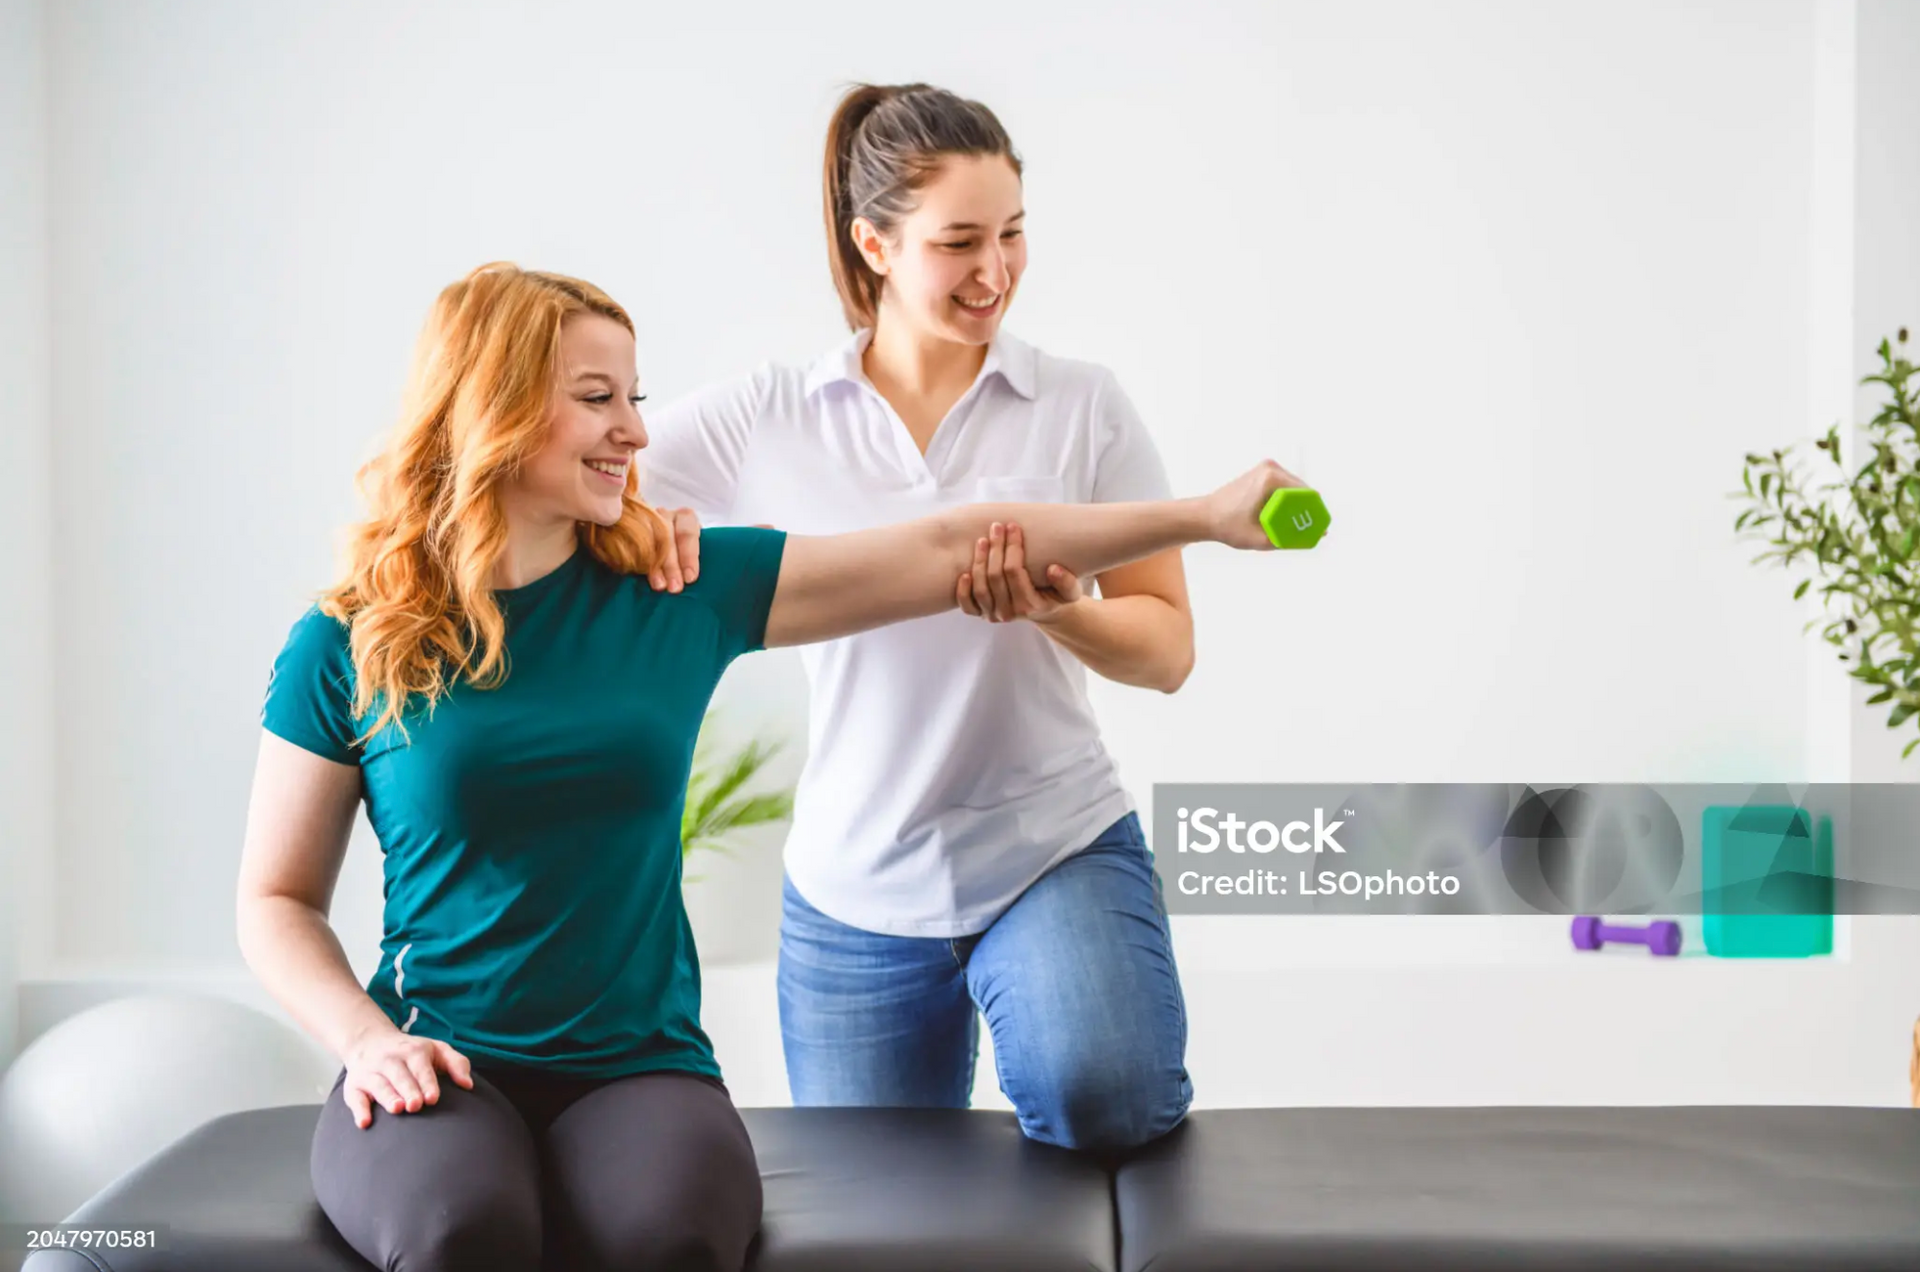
pixel 1294 517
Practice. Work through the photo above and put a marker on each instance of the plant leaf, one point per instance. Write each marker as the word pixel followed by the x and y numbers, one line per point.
pixel 716 803
pixel 1862 531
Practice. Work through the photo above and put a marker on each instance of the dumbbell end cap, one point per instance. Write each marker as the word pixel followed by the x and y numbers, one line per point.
pixel 1586 932
pixel 1663 938
pixel 1295 517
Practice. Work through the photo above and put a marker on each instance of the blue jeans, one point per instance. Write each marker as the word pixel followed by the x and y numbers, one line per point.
pixel 1076 980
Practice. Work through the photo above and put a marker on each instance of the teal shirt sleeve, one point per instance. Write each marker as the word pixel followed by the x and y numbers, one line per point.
pixel 739 571
pixel 309 699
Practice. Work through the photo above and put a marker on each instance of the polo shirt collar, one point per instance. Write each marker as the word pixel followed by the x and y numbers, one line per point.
pixel 1012 359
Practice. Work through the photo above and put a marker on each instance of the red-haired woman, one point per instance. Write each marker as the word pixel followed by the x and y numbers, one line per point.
pixel 517 706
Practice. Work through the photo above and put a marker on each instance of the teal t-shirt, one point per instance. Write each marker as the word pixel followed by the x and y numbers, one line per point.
pixel 531 832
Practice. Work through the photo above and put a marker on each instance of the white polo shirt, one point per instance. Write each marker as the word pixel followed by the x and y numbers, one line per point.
pixel 951 761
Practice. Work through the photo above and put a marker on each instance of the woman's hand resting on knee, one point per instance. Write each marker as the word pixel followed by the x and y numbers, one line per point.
pixel 400 1071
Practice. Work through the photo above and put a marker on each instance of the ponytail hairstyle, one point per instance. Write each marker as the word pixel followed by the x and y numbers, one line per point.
pixel 884 144
pixel 417 594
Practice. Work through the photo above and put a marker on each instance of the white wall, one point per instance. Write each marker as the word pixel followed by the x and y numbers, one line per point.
pixel 1516 285
pixel 26 770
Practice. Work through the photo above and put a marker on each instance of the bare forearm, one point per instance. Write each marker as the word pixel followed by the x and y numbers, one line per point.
pixel 840 584
pixel 293 950
pixel 1133 640
pixel 1083 538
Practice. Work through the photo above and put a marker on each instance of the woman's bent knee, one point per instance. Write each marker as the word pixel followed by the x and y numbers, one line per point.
pixel 443 1190
pixel 467 1240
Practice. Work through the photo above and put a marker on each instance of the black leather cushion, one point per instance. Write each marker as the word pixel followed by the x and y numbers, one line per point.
pixel 892 1190
pixel 1496 1190
pixel 850 1190
pixel 1330 1190
pixel 233 1196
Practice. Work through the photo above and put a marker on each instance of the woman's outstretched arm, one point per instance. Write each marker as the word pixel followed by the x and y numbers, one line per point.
pixel 835 585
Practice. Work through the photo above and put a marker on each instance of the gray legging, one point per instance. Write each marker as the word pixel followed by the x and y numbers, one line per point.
pixel 530 1170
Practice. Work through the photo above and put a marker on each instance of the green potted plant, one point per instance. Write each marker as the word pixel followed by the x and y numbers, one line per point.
pixel 719 803
pixel 1859 533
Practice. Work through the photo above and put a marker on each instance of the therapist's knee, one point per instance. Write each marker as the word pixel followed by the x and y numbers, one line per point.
pixel 1106 1104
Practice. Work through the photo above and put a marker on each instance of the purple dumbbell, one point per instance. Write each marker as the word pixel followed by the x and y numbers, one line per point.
pixel 1662 936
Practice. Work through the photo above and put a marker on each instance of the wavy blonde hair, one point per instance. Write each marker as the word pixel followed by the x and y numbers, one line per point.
pixel 417 594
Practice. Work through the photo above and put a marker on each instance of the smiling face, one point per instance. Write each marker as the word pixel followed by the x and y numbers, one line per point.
pixel 583 470
pixel 954 263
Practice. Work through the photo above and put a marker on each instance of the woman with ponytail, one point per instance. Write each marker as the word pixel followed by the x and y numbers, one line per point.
pixel 517 707
pixel 962 844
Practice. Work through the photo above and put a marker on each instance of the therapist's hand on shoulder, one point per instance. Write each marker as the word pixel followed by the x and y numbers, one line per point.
pixel 999 589
pixel 682 563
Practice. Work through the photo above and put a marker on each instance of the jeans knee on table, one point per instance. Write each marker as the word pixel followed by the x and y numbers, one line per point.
pixel 1108 1107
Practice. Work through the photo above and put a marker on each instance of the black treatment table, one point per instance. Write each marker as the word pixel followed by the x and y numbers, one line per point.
pixel 1590 1189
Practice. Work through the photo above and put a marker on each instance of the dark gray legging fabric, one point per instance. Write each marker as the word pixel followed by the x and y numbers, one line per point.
pixel 532 1171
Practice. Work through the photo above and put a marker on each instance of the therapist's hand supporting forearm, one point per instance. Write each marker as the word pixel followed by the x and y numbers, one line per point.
pixel 1137 632
pixel 837 585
